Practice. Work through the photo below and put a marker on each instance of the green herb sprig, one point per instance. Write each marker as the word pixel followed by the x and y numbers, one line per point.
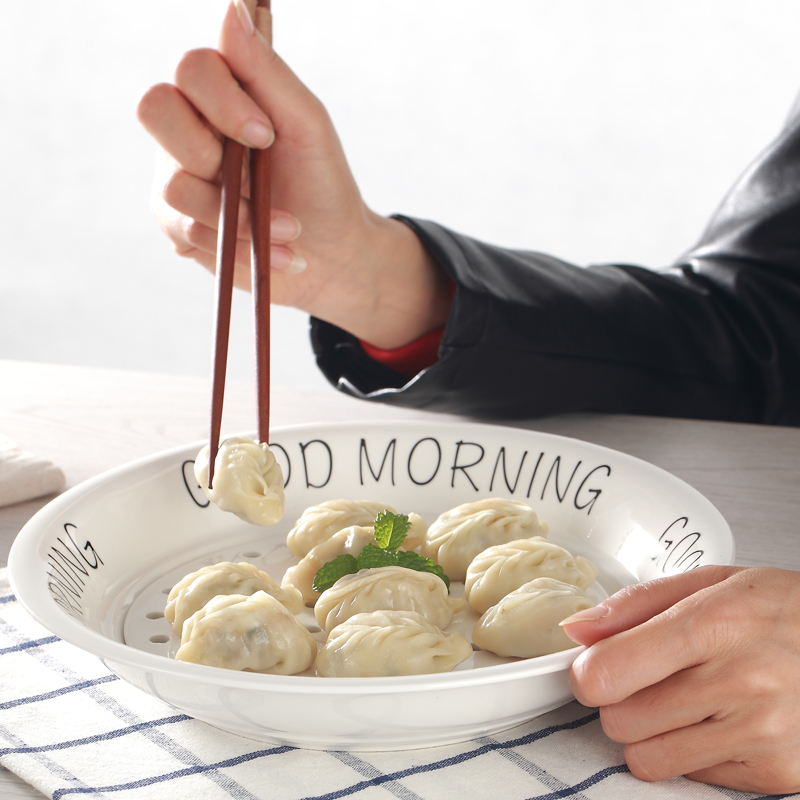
pixel 390 532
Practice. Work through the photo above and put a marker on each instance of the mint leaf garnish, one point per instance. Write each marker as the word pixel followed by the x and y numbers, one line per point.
pixel 390 533
pixel 329 573
pixel 411 560
pixel 391 530
pixel 371 557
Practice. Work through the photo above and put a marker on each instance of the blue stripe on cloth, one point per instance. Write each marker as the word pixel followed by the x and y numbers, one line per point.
pixel 368 770
pixel 178 751
pixel 771 796
pixel 28 644
pixel 459 759
pixel 75 687
pixel 56 769
pixel 181 773
pixel 592 780
pixel 53 767
pixel 100 737
pixel 608 772
pixel 9 598
pixel 378 780
pixel 526 765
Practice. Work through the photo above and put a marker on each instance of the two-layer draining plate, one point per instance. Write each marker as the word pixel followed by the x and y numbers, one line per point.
pixel 94 565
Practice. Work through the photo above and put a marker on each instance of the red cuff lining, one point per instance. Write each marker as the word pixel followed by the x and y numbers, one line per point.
pixel 411 358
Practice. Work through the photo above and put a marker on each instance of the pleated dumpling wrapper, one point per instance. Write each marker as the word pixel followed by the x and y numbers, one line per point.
pixel 458 535
pixel 301 576
pixel 248 481
pixel 195 590
pixel 253 633
pixel 501 569
pixel 318 523
pixel 524 624
pixel 387 589
pixel 386 643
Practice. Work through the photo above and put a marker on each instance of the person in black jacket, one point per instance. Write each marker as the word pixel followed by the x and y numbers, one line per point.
pixel 715 652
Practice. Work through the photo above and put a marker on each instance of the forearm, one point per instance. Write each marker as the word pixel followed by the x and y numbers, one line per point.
pixel 717 336
pixel 528 335
pixel 397 291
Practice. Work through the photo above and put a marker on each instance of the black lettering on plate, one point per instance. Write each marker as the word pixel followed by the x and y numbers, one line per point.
pixel 592 491
pixel 363 455
pixel 678 552
pixel 535 470
pixel 464 467
pixel 288 462
pixel 192 486
pixel 501 456
pixel 426 481
pixel 555 469
pixel 69 570
pixel 303 448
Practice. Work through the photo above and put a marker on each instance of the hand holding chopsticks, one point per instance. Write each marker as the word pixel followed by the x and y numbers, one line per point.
pixel 226 253
pixel 371 275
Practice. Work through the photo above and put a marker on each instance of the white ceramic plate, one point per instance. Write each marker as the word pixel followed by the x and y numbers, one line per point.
pixel 95 564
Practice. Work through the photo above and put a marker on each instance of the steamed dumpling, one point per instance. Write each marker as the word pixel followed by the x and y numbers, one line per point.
pixel 351 540
pixel 387 589
pixel 385 643
pixel 525 623
pixel 195 590
pixel 215 604
pixel 416 533
pixel 458 535
pixel 318 523
pixel 247 480
pixel 253 633
pixel 503 568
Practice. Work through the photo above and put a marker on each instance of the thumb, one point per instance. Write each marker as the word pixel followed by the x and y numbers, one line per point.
pixel 636 604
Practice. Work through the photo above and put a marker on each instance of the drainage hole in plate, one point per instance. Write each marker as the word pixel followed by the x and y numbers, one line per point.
pixel 251 554
pixel 160 639
pixel 155 615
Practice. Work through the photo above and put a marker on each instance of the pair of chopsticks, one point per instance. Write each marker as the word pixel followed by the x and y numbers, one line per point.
pixel 232 160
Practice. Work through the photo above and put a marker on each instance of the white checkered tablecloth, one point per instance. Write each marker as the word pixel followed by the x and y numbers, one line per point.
pixel 71 728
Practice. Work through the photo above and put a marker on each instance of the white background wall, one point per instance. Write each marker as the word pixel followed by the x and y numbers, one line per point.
pixel 597 130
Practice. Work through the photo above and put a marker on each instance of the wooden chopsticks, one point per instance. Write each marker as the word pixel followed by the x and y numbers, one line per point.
pixel 260 171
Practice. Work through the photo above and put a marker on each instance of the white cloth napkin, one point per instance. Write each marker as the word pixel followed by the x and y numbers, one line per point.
pixel 70 728
pixel 24 475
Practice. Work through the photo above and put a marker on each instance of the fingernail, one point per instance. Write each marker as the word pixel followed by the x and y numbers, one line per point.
pixel 282 259
pixel 285 228
pixel 587 615
pixel 257 134
pixel 245 20
pixel 297 264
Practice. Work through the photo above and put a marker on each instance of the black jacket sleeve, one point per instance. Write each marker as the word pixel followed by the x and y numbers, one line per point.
pixel 715 336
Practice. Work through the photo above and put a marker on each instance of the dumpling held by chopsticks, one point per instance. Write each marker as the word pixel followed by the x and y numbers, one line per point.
pixel 247 480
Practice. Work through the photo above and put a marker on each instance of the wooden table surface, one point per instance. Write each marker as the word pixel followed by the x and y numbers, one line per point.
pixel 90 420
